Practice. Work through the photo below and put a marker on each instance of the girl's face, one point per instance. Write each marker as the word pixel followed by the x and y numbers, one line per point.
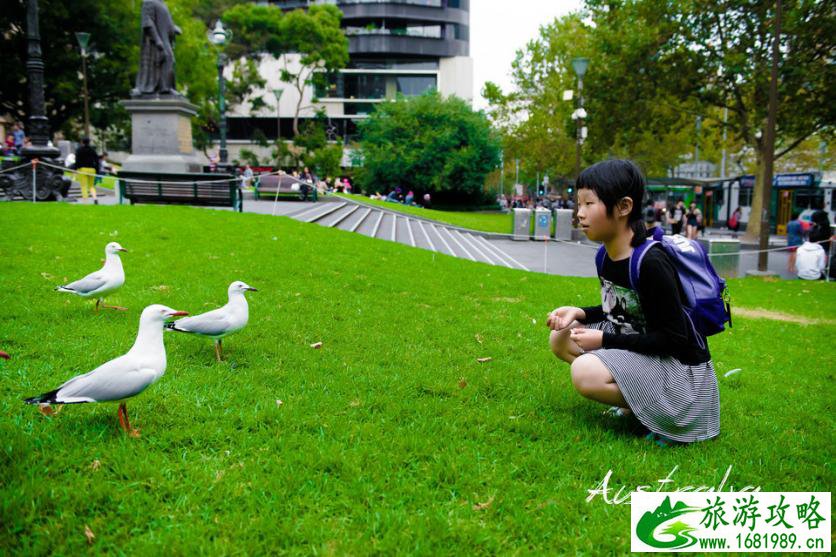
pixel 593 218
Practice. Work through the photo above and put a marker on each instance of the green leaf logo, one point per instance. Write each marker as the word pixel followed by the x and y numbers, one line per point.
pixel 681 531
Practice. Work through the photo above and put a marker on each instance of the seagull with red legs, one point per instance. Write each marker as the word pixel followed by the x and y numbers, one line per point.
pixel 100 283
pixel 120 378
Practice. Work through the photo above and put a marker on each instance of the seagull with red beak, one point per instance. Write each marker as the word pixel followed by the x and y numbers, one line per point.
pixel 221 322
pixel 120 378
pixel 105 281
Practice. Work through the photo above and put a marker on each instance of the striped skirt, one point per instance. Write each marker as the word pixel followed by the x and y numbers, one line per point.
pixel 670 398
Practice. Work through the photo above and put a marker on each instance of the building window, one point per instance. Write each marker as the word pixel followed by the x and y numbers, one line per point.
pixel 391 64
pixel 809 199
pixel 354 109
pixel 414 85
pixel 744 197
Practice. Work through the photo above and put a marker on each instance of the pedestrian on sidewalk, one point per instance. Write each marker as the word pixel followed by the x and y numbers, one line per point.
pixel 794 239
pixel 87 166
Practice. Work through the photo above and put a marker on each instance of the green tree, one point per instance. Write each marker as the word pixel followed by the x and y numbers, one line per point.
pixel 313 34
pixel 428 143
pixel 114 47
pixel 708 57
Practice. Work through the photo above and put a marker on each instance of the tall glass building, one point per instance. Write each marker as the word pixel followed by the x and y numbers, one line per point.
pixel 395 47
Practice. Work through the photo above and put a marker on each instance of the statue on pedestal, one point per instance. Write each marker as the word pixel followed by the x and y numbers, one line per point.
pixel 156 55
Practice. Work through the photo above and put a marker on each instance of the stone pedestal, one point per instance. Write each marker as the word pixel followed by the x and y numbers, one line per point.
pixel 161 136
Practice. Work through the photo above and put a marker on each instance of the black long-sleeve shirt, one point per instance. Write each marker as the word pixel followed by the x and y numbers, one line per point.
pixel 86 157
pixel 651 321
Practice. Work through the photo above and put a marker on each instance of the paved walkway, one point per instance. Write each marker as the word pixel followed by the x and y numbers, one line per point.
pixel 556 258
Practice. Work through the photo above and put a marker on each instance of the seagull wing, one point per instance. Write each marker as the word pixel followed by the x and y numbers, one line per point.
pixel 90 283
pixel 211 323
pixel 117 379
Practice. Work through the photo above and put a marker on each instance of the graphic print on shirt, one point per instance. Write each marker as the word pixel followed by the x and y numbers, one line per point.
pixel 622 308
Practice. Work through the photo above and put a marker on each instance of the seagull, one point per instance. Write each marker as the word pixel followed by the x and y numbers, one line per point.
pixel 106 280
pixel 220 322
pixel 120 378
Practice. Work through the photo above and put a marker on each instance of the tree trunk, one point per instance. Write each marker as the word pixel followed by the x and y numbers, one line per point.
pixel 753 227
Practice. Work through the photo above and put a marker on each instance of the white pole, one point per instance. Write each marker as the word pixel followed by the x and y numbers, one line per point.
pixel 278 184
pixel 546 256
pixel 725 131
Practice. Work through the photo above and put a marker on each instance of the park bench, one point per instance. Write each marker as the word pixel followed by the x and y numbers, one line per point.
pixel 268 185
pixel 204 189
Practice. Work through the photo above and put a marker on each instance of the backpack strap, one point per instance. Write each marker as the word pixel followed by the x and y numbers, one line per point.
pixel 599 258
pixel 636 259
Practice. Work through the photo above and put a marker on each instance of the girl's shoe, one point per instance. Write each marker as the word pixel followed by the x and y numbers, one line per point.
pixel 662 441
pixel 617 412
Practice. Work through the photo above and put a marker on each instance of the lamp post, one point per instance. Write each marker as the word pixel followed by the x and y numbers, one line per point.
pixel 579 65
pixel 83 39
pixel 31 182
pixel 220 37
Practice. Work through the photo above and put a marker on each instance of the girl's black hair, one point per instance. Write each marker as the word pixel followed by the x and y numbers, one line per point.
pixel 613 180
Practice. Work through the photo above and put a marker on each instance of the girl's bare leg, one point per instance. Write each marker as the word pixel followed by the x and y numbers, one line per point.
pixel 593 380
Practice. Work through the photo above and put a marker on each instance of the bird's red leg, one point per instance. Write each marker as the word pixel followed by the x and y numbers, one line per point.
pixel 219 350
pixel 98 301
pixel 46 410
pixel 118 308
pixel 122 418
pixel 126 424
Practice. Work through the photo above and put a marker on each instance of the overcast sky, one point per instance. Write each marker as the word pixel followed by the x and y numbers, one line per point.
pixel 499 28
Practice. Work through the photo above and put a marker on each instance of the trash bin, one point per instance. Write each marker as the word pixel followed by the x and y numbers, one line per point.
pixel 542 224
pixel 563 224
pixel 522 224
pixel 724 254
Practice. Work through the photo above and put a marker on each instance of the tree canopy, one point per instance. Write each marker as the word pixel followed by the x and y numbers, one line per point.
pixel 655 67
pixel 428 143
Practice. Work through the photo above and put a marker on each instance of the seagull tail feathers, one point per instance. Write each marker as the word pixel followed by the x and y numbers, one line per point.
pixel 172 326
pixel 46 398
pixel 64 289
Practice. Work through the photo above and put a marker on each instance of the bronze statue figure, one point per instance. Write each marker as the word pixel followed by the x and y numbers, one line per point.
pixel 156 55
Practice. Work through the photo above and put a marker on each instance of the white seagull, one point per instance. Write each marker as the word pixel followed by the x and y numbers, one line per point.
pixel 122 377
pixel 105 281
pixel 220 322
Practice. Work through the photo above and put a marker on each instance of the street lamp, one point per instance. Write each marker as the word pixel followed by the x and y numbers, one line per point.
pixel 579 65
pixel 83 39
pixel 220 37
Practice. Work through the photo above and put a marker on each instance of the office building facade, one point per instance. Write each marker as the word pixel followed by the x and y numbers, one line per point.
pixel 396 47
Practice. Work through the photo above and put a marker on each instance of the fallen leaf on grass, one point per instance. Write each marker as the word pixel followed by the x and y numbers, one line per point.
pixel 354 403
pixel 483 506
pixel 279 402
pixel 462 383
pixel 483 360
pixel 478 338
pixel 47 276
pixel 88 533
pixel 316 345
pixel 96 464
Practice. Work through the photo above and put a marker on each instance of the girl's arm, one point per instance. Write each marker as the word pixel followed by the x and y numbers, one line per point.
pixel 667 332
pixel 593 314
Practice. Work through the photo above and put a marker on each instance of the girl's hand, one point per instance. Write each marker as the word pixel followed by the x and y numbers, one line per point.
pixel 564 316
pixel 587 339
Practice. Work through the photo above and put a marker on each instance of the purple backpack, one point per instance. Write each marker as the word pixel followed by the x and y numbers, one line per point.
pixel 706 302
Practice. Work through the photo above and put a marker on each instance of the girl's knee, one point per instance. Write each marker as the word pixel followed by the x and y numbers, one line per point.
pixel 585 377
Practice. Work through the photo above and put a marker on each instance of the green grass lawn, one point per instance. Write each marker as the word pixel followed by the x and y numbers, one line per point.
pixel 493 221
pixel 391 438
